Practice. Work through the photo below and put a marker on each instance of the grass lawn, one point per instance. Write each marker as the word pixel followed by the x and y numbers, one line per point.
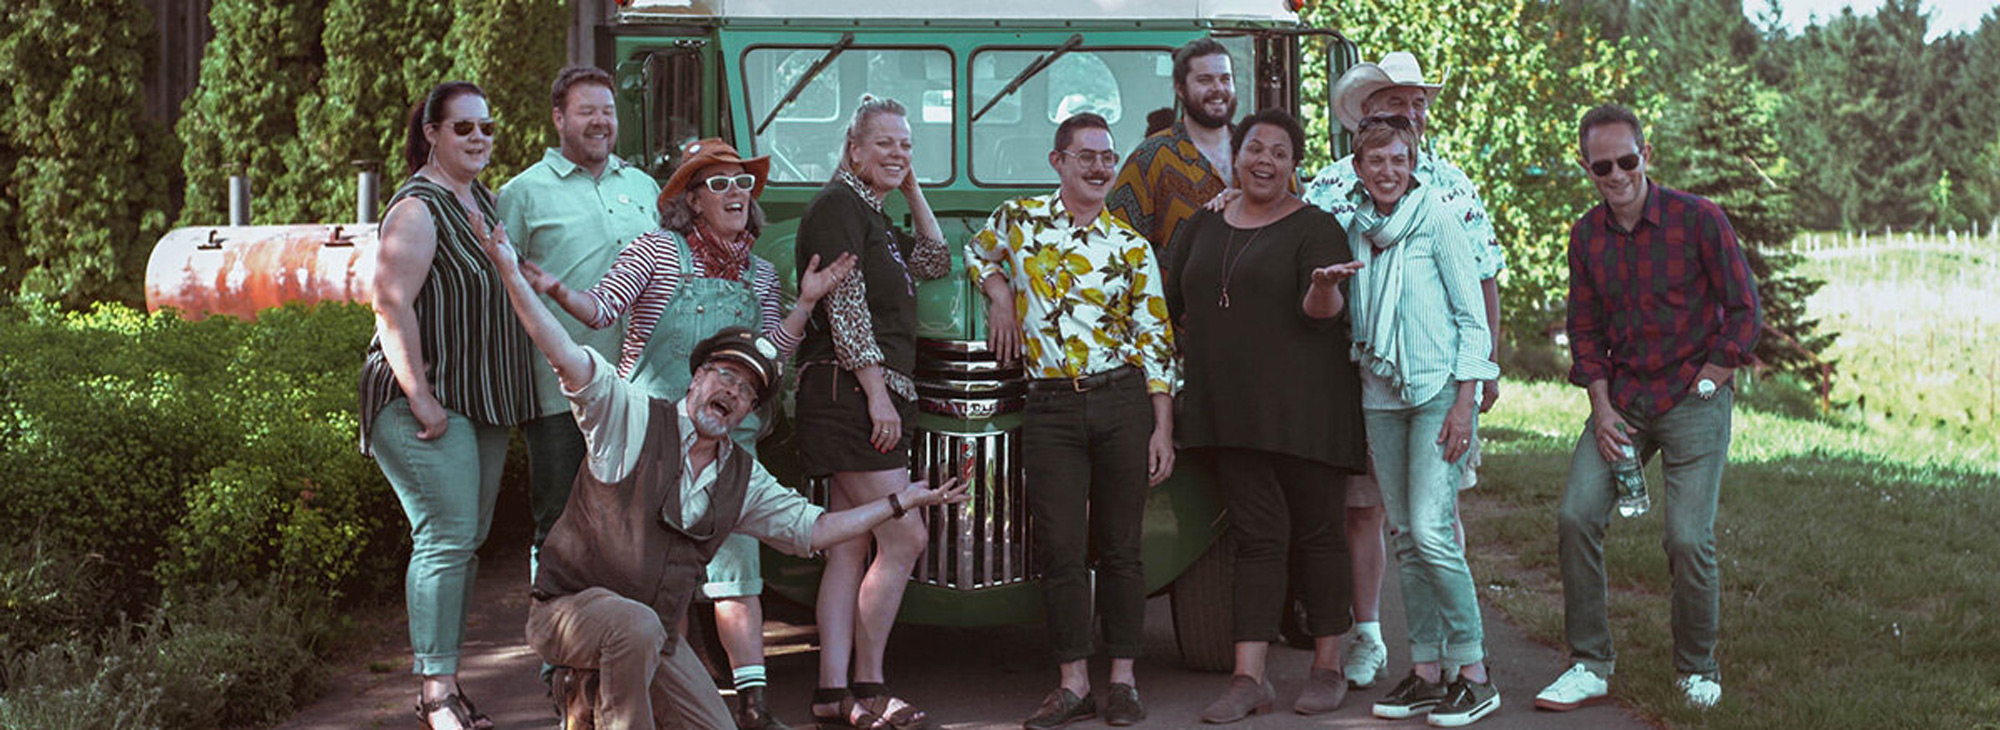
pixel 1861 577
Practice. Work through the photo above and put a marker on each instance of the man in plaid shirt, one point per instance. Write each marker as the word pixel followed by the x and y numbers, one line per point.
pixel 1662 311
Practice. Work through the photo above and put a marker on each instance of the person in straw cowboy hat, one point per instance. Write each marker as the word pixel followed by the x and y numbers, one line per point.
pixel 1396 87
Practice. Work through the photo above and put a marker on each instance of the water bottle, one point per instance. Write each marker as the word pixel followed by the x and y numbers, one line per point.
pixel 1630 475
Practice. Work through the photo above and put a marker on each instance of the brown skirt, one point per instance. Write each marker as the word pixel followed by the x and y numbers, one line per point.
pixel 833 424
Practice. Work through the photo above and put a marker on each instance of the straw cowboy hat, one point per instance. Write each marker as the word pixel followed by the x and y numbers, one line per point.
pixel 712 151
pixel 1364 79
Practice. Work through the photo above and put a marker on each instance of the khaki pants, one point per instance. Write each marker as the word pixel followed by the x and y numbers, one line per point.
pixel 639 684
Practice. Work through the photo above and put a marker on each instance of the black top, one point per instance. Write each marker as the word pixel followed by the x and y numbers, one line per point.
pixel 475 353
pixel 1260 374
pixel 836 221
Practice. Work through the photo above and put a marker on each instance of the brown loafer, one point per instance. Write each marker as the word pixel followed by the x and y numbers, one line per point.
pixel 1245 697
pixel 1324 691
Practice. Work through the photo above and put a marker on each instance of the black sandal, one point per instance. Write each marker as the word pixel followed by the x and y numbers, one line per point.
pixel 461 711
pixel 850 713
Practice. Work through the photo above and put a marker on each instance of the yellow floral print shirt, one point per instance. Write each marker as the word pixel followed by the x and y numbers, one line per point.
pixel 1089 297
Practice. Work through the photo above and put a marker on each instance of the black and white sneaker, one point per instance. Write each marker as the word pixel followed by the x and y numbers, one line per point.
pixel 1464 703
pixel 1411 698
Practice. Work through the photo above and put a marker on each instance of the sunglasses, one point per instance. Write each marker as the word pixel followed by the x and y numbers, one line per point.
pixel 721 183
pixel 1090 158
pixel 1601 168
pixel 464 127
pixel 1396 123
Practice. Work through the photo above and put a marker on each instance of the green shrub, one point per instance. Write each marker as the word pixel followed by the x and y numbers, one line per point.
pixel 47 595
pixel 189 453
pixel 231 658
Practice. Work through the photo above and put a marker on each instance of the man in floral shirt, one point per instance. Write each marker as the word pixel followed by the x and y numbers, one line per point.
pixel 1079 291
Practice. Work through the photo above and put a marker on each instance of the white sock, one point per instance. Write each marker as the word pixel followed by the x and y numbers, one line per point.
pixel 1370 629
pixel 748 676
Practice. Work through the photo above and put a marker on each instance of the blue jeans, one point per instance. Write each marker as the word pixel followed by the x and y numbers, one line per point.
pixel 1420 496
pixel 447 487
pixel 1692 441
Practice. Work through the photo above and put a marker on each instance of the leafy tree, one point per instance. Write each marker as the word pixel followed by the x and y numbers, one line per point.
pixel 87 177
pixel 488 41
pixel 243 115
pixel 1520 74
pixel 382 56
pixel 1719 140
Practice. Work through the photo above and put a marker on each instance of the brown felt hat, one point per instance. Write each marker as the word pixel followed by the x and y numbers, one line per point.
pixel 713 151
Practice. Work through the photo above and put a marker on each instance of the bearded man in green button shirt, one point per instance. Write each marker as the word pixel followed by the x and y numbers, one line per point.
pixel 571 214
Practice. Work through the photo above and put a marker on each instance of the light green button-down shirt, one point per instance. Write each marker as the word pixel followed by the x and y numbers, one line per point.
pixel 573 226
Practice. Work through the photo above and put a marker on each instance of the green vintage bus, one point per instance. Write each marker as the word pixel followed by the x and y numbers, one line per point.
pixel 985 83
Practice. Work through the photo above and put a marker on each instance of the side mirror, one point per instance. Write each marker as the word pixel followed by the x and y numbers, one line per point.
pixel 1341 55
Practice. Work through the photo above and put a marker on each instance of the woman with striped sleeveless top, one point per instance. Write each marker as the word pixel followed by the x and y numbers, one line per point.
pixel 446 376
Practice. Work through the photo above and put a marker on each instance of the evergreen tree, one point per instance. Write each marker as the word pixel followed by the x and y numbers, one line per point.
pixel 87 177
pixel 1519 76
pixel 1860 123
pixel 515 67
pixel 1719 140
pixel 382 55
pixel 243 115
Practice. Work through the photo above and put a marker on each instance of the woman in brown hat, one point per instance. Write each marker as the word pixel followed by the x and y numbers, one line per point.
pixel 680 284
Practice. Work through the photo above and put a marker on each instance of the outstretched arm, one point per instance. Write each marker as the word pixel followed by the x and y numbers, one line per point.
pixel 571 363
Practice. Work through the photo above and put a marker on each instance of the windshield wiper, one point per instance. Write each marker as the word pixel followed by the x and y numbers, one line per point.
pixel 1029 73
pixel 812 72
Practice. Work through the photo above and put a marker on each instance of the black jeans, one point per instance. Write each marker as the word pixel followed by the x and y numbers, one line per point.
pixel 1086 472
pixel 1280 505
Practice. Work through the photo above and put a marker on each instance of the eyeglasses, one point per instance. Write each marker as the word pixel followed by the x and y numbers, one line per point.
pixel 735 383
pixel 1393 122
pixel 464 127
pixel 720 183
pixel 1107 158
pixel 1601 168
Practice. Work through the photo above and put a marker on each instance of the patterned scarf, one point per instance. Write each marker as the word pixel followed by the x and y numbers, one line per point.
pixel 1377 291
pixel 720 259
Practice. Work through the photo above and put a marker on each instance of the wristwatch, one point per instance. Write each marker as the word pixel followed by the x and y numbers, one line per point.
pixel 1705 388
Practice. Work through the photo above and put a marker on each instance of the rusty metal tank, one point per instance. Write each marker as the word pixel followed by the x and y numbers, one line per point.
pixel 241 270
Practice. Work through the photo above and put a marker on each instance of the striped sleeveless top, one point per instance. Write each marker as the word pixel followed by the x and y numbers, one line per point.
pixel 475 353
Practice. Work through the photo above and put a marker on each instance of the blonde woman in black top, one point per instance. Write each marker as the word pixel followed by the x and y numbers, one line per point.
pixel 444 379
pixel 855 402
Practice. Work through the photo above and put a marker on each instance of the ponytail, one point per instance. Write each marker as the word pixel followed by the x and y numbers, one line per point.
pixel 417 147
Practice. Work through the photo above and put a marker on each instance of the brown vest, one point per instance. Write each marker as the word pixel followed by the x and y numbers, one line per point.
pixel 626 537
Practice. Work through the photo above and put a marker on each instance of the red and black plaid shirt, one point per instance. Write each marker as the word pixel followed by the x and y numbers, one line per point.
pixel 1648 307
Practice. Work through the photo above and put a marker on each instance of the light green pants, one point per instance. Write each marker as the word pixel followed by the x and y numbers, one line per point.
pixel 1420 498
pixel 447 487
pixel 1692 441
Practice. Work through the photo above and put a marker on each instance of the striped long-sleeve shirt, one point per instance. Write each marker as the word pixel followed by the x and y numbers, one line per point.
pixel 645 278
pixel 1441 316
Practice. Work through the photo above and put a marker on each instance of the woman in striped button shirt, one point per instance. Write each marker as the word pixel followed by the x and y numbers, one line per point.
pixel 445 378
pixel 1421 342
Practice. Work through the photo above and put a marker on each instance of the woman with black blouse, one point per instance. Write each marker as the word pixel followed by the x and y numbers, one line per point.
pixel 855 401
pixel 1273 399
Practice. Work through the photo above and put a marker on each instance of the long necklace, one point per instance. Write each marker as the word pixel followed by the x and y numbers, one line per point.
pixel 1229 263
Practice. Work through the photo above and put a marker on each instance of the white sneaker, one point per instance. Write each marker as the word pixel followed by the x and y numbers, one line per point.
pixel 1575 688
pixel 1700 691
pixel 1366 658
